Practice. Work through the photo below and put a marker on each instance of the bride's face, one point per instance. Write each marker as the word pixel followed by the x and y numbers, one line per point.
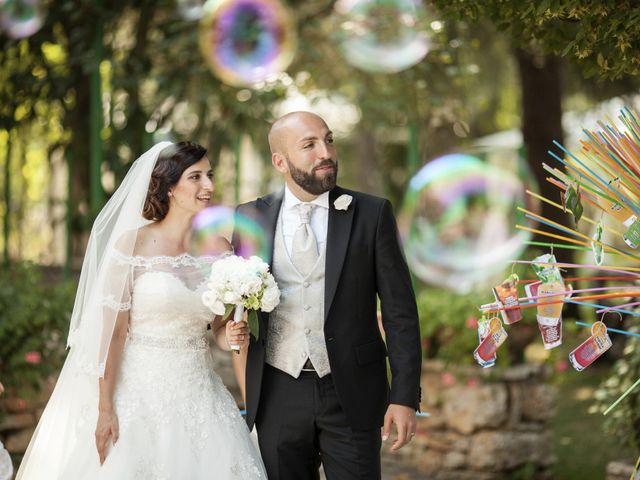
pixel 193 191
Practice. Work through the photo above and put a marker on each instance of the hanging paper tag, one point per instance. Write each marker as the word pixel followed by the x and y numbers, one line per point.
pixel 486 351
pixel 483 332
pixel 544 268
pixel 551 305
pixel 597 247
pixel 549 315
pixel 551 331
pixel 507 294
pixel 531 290
pixel 589 350
pixel 632 235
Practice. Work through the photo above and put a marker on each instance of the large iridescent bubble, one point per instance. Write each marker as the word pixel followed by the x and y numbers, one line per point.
pixel 458 220
pixel 382 35
pixel 220 221
pixel 20 18
pixel 247 41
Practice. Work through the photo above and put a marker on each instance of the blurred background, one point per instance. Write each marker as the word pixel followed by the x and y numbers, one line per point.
pixel 447 108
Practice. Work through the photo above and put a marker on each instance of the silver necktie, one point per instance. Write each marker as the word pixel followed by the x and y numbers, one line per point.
pixel 304 250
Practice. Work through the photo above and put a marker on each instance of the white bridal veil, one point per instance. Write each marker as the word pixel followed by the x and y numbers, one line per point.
pixel 103 291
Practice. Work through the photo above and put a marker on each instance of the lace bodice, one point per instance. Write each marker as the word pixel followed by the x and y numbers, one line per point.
pixel 164 296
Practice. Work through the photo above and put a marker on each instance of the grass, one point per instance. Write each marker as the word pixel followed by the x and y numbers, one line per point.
pixel 582 447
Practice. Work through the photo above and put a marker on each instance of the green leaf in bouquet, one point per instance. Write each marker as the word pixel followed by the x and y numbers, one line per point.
pixel 254 325
pixel 227 311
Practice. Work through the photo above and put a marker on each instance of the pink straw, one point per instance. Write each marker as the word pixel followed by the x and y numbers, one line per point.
pixel 594 267
pixel 569 292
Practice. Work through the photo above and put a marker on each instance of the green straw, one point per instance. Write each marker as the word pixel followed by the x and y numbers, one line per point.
pixel 622 397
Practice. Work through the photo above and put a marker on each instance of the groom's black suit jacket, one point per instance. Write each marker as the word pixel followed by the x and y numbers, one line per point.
pixel 363 259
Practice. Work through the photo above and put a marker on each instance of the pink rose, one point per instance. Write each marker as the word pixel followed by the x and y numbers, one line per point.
pixel 33 357
pixel 448 379
pixel 472 323
pixel 561 365
pixel 473 383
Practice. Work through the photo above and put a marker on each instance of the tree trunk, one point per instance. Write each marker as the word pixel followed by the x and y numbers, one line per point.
pixel 76 119
pixel 540 78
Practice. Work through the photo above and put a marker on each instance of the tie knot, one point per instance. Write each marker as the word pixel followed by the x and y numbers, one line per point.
pixel 304 210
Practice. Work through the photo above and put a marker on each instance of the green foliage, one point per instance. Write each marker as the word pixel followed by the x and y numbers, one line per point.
pixel 447 324
pixel 623 421
pixel 34 320
pixel 525 472
pixel 603 36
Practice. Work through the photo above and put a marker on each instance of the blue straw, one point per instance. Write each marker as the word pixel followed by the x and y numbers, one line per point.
pixel 614 330
pixel 606 184
pixel 595 305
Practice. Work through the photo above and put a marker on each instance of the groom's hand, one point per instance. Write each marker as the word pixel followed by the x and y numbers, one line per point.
pixel 405 420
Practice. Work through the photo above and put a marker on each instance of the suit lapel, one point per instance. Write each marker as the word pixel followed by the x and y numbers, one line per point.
pixel 269 209
pixel 338 232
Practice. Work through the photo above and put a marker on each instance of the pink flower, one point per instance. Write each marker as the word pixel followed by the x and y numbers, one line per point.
pixel 473 383
pixel 472 323
pixel 448 379
pixel 561 365
pixel 33 357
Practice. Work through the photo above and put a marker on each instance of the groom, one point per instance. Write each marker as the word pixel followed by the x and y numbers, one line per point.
pixel 316 381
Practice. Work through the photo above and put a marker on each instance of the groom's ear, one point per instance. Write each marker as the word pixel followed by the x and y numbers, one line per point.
pixel 279 163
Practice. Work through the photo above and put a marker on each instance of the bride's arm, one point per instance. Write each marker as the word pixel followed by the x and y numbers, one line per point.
pixel 107 427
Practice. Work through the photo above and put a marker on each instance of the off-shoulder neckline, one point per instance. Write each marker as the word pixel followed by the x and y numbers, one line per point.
pixel 182 258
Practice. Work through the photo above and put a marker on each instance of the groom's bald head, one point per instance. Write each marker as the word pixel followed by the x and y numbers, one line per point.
pixel 285 128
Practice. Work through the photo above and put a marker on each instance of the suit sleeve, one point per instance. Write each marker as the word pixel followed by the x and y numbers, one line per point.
pixel 399 311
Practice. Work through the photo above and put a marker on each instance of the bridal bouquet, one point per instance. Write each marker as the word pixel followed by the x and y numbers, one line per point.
pixel 241 283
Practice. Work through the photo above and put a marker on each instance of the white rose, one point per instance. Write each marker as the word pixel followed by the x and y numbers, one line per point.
pixel 270 299
pixel 259 265
pixel 343 202
pixel 211 302
pixel 231 298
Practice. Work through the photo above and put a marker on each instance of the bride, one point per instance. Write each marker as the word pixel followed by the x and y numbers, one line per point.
pixel 137 397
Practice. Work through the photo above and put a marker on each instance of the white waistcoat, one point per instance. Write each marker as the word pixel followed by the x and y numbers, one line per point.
pixel 296 326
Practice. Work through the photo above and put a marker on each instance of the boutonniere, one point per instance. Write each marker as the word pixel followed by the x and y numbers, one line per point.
pixel 343 202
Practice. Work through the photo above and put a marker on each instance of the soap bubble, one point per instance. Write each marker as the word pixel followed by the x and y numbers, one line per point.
pixel 382 35
pixel 247 41
pixel 458 220
pixel 20 18
pixel 220 221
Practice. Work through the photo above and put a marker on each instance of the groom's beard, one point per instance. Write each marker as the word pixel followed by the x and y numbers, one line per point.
pixel 309 182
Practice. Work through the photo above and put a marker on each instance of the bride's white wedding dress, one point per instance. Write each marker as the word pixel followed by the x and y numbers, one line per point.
pixel 176 418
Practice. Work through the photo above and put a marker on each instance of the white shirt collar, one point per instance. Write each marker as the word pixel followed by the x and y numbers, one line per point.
pixel 291 201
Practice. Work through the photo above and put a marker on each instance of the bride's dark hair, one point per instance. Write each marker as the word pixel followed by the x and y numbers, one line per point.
pixel 172 162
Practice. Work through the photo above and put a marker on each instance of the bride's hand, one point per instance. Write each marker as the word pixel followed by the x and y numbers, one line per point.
pixel 107 428
pixel 237 333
